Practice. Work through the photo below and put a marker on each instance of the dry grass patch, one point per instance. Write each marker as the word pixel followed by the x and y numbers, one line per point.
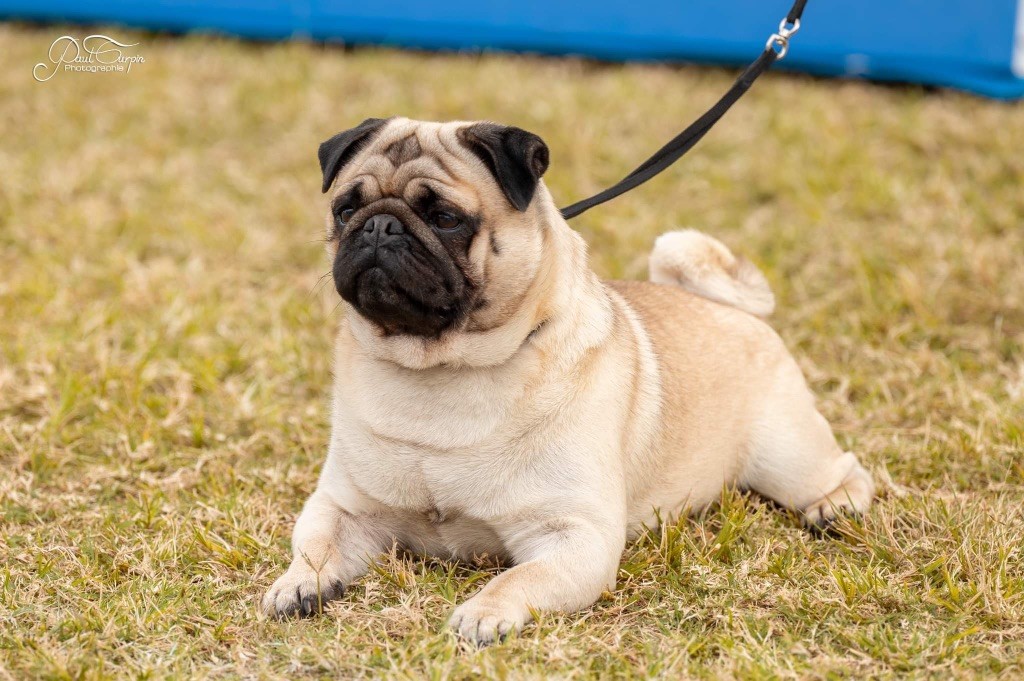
pixel 164 365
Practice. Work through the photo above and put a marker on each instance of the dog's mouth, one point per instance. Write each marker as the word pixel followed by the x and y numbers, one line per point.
pixel 386 301
pixel 400 288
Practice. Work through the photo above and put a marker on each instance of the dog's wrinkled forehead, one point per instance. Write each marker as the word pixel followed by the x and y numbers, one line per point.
pixel 461 158
pixel 404 155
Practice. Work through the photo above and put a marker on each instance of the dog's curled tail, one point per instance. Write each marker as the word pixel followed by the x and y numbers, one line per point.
pixel 706 267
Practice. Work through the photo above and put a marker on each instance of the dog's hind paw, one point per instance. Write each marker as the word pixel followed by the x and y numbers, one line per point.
pixel 852 497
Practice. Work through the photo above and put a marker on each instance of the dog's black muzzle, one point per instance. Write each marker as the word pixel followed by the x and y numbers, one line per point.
pixel 386 272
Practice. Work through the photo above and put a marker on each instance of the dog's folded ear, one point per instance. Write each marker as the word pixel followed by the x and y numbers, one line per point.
pixel 339 150
pixel 515 157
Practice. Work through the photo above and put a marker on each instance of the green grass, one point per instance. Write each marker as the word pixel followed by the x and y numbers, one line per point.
pixel 165 365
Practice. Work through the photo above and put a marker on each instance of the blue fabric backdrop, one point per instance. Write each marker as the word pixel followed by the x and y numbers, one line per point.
pixel 956 43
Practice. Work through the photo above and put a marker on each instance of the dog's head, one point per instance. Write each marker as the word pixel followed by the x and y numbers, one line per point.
pixel 434 227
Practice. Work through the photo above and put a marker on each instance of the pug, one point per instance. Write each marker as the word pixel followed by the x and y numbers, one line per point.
pixel 493 396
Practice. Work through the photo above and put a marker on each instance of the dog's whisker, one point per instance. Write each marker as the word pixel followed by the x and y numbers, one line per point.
pixel 318 286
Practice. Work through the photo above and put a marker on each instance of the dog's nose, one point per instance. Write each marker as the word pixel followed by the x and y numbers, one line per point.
pixel 380 226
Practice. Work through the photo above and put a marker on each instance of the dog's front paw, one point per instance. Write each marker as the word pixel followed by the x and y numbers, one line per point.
pixel 300 592
pixel 483 621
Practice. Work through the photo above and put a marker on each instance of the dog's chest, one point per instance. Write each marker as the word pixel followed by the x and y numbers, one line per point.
pixel 444 443
pixel 490 478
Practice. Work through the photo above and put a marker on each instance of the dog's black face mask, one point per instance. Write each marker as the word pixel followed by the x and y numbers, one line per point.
pixel 399 270
pixel 402 259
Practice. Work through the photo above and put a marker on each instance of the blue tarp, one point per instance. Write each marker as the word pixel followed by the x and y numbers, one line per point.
pixel 975 45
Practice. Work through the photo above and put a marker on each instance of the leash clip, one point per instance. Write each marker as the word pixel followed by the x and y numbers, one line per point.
pixel 779 42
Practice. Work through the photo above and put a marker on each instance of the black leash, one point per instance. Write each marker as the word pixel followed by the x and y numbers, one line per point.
pixel 774 50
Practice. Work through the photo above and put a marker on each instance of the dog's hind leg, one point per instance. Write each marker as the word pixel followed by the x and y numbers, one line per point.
pixel 794 459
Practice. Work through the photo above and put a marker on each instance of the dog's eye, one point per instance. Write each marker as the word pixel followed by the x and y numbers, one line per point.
pixel 446 221
pixel 344 215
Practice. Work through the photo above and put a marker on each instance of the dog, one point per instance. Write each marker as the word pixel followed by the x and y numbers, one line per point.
pixel 493 396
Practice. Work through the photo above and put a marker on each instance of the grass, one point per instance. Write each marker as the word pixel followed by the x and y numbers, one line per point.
pixel 165 365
